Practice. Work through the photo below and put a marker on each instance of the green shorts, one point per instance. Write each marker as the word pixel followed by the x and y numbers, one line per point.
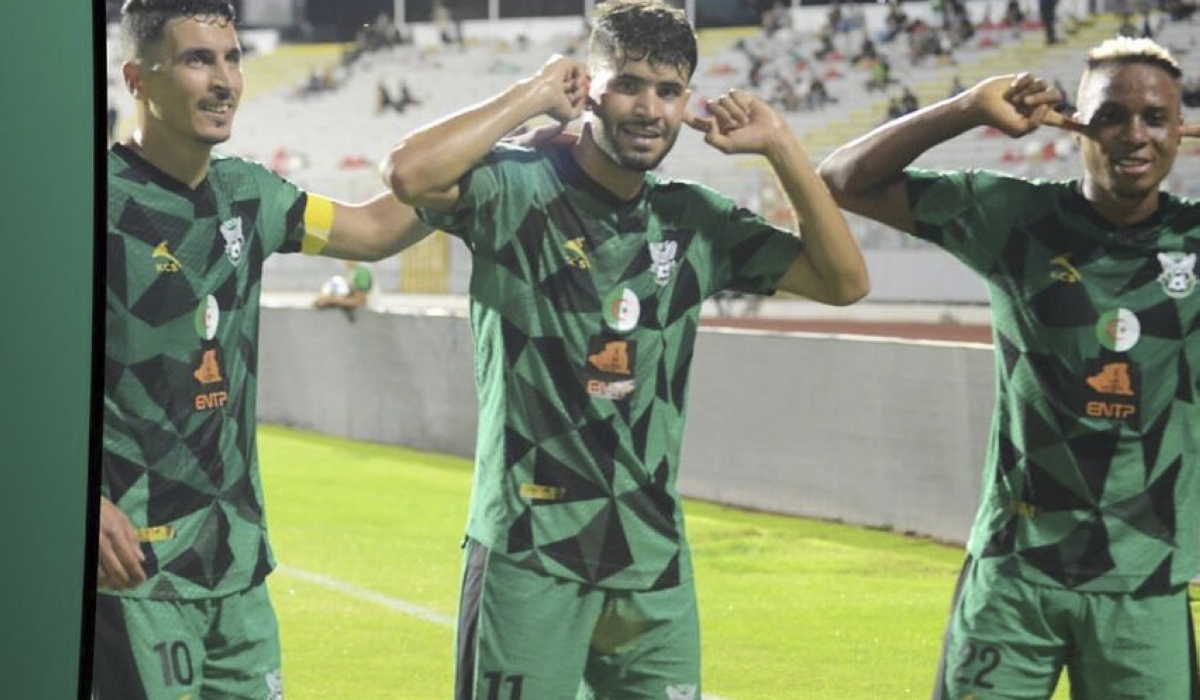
pixel 1010 639
pixel 226 648
pixel 524 635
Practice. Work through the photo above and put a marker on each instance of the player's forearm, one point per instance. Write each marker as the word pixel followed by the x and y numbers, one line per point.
pixel 433 158
pixel 373 230
pixel 880 156
pixel 828 243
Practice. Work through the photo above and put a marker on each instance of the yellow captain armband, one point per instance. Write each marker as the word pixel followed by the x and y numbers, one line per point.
pixel 156 533
pixel 318 220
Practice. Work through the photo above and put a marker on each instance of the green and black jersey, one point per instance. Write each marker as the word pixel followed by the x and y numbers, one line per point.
pixel 585 311
pixel 183 278
pixel 1091 480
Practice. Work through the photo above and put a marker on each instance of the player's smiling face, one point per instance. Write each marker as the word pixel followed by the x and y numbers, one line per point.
pixel 1133 116
pixel 193 81
pixel 637 109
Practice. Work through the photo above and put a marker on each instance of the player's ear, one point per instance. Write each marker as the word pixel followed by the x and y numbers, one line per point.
pixel 131 74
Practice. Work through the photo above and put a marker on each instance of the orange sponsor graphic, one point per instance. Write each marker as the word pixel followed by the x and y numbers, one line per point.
pixel 1113 378
pixel 614 358
pixel 209 372
pixel 1103 409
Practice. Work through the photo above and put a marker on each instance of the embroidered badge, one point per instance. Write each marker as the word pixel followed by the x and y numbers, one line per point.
pixel 663 263
pixel 1178 277
pixel 231 231
pixel 1118 330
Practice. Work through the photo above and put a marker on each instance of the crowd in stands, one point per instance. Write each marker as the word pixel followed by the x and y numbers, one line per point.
pixel 853 58
pixel 800 71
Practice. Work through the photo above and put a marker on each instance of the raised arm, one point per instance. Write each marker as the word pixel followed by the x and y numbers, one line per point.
pixel 830 267
pixel 866 176
pixel 424 169
pixel 373 230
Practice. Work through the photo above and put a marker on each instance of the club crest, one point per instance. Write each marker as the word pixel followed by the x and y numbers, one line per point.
pixel 231 231
pixel 662 261
pixel 1178 277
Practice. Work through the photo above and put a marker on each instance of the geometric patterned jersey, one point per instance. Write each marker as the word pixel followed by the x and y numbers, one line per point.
pixel 584 310
pixel 1091 476
pixel 183 278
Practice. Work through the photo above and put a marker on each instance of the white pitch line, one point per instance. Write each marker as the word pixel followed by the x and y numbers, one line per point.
pixel 400 606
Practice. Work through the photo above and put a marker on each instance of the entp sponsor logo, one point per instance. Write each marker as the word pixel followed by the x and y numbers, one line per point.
pixel 1112 390
pixel 213 393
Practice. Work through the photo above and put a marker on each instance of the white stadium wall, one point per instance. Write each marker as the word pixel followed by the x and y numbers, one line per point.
pixel 873 432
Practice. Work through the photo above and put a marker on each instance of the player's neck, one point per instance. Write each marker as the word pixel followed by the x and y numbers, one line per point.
pixel 186 162
pixel 1120 211
pixel 624 183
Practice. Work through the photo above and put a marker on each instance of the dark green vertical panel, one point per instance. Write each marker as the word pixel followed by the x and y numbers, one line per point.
pixel 47 233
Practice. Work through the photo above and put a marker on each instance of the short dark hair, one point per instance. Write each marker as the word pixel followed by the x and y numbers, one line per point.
pixel 142 21
pixel 644 29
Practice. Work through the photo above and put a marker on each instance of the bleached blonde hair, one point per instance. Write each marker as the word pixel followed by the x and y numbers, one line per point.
pixel 1124 50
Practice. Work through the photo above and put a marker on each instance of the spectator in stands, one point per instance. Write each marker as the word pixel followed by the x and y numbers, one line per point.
pixel 1178 10
pixel 908 101
pixel 402 101
pixel 1147 28
pixel 924 41
pixel 956 86
pixel 1014 16
pixel 894 22
pixel 346 292
pixel 834 17
pixel 1089 530
pixel 881 74
pixel 311 85
pixel 818 95
pixel 825 49
pixel 867 53
pixel 786 97
pixel 405 97
pixel 775 19
pixel 895 109
pixel 1047 11
pixel 1128 28
pixel 589 276
pixel 383 98
pixel 959 28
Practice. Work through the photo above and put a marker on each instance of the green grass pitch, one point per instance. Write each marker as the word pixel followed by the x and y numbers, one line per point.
pixel 367 537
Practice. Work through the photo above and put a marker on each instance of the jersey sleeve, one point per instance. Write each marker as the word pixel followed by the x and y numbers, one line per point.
pixel 479 191
pixel 747 253
pixel 306 219
pixel 971 214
